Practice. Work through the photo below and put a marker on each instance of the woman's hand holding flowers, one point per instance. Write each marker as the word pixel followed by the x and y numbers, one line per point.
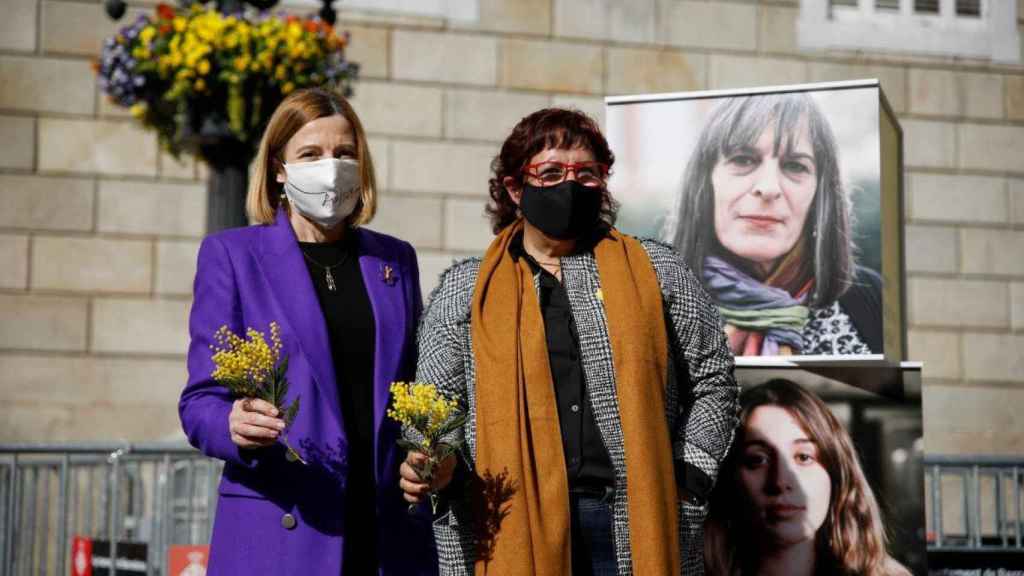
pixel 412 483
pixel 254 423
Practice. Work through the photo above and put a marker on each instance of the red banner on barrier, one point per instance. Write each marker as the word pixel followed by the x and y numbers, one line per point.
pixel 81 556
pixel 187 560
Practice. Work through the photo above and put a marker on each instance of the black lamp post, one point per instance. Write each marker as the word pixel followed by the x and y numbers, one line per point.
pixel 210 135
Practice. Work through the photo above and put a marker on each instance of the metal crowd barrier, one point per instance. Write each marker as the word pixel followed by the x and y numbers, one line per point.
pixel 973 503
pixel 165 494
pixel 157 494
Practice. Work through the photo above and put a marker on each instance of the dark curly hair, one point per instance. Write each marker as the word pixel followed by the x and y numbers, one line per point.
pixel 544 129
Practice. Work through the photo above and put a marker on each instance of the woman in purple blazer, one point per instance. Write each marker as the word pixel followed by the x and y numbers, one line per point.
pixel 347 301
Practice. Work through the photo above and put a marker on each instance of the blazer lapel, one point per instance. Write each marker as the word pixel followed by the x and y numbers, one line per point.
pixel 384 288
pixel 285 270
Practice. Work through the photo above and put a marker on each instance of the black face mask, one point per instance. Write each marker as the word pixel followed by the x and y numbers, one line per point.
pixel 564 211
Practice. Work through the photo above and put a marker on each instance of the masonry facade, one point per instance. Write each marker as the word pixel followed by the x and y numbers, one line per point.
pixel 99 228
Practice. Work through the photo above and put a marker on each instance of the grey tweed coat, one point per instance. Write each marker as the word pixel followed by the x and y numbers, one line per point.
pixel 701 400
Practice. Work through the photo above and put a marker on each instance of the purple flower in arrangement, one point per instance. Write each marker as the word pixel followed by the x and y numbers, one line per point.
pixel 116 68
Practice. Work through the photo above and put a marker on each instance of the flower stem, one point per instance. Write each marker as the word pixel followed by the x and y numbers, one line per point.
pixel 291 455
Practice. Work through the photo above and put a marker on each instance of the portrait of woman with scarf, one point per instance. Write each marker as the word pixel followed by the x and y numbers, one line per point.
pixel 763 220
pixel 598 382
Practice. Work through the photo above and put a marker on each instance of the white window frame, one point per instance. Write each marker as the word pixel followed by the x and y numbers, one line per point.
pixel 462 10
pixel 992 36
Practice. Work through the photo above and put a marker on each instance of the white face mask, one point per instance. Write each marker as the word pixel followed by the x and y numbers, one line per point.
pixel 325 191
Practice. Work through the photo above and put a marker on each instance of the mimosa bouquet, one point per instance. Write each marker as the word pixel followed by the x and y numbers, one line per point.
pixel 428 420
pixel 251 368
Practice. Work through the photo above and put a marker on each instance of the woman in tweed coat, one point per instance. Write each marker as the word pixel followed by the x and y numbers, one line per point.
pixel 567 343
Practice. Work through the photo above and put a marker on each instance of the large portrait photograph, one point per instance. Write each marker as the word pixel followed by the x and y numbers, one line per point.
pixel 774 199
pixel 822 476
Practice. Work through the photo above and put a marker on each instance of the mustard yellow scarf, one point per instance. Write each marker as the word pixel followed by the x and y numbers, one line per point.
pixel 518 436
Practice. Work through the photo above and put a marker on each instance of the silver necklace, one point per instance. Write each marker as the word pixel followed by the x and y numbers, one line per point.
pixel 327 269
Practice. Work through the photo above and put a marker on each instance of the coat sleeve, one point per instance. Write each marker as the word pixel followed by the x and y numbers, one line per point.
pixel 205 404
pixel 442 362
pixel 708 394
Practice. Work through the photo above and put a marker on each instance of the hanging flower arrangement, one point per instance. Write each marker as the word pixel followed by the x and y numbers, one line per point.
pixel 192 72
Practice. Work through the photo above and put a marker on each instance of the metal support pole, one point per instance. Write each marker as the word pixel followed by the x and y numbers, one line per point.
pixel 154 526
pixel 62 541
pixel 44 486
pixel 965 501
pixel 90 497
pixel 31 477
pixel 975 475
pixel 168 513
pixel 226 188
pixel 937 504
pixel 115 518
pixel 1016 504
pixel 190 499
pixel 12 517
pixel 211 496
pixel 1000 509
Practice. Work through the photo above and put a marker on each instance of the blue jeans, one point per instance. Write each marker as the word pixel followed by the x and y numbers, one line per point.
pixel 593 539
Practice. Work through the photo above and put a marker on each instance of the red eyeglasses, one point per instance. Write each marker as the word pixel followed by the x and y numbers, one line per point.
pixel 590 174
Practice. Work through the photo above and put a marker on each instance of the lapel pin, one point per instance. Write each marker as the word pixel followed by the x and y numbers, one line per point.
pixel 599 295
pixel 388 275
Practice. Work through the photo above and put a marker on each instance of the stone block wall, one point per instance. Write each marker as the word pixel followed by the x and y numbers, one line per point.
pixel 99 228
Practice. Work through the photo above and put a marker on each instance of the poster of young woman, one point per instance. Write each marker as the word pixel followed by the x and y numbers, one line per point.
pixel 822 477
pixel 784 201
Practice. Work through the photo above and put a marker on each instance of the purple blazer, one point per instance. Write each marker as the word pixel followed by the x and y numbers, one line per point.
pixel 280 517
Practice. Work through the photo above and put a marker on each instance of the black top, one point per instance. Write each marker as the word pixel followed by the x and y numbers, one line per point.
pixel 350 329
pixel 862 302
pixel 586 459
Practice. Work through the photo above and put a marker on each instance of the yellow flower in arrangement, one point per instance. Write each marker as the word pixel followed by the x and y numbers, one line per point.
pixel 421 406
pixel 429 422
pixel 251 367
pixel 250 358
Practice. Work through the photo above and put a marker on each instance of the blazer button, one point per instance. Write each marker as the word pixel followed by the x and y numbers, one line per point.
pixel 288 521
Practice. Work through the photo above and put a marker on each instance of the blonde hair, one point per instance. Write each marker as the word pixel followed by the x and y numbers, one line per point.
pixel 852 540
pixel 295 111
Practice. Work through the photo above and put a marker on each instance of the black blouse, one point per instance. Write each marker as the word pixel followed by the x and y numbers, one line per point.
pixel 588 465
pixel 351 331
